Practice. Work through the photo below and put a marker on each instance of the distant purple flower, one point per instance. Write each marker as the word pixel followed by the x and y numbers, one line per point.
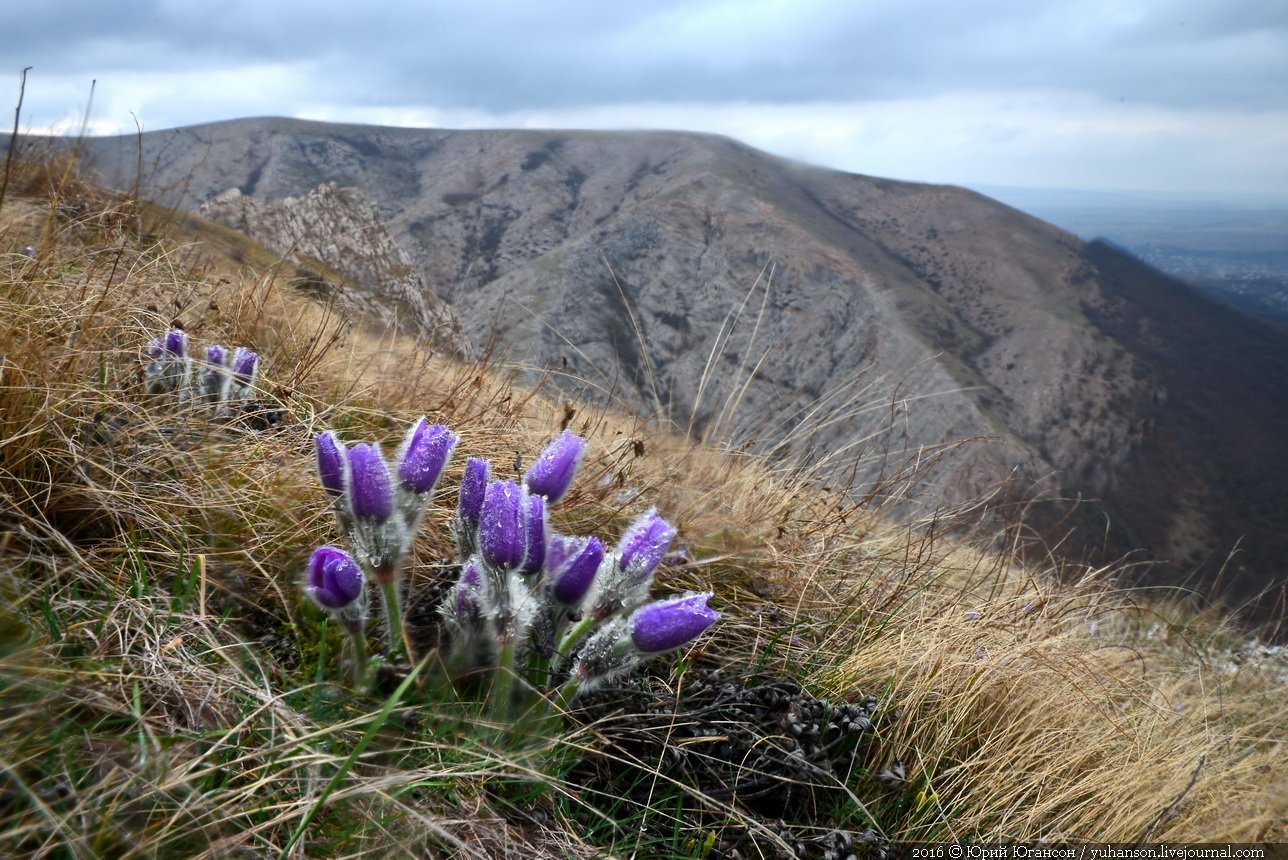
pixel 668 624
pixel 245 363
pixel 534 533
pixel 212 381
pixel 468 589
pixel 643 545
pixel 473 486
pixel 371 491
pixel 332 458
pixel 501 525
pixel 334 578
pixel 572 562
pixel 176 342
pixel 425 454
pixel 552 473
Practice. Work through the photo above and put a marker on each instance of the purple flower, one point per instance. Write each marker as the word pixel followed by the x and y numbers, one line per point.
pixel 643 545
pixel 371 490
pixel 552 472
pixel 671 623
pixel 216 355
pixel 501 529
pixel 425 454
pixel 156 347
pixel 468 589
pixel 176 342
pixel 245 363
pixel 572 562
pixel 332 459
pixel 534 533
pixel 473 486
pixel 334 578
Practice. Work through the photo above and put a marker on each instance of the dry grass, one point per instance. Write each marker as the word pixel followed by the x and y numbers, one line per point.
pixel 164 686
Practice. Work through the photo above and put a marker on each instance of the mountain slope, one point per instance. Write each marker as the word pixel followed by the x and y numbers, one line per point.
pixel 684 273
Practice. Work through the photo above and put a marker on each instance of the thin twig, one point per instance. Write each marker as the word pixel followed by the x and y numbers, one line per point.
pixel 13 137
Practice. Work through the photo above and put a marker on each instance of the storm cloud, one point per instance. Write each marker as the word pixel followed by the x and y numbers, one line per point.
pixel 1168 94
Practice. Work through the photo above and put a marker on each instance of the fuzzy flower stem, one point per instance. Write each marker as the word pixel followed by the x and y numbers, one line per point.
pixel 359 638
pixel 503 689
pixel 570 640
pixel 565 694
pixel 399 641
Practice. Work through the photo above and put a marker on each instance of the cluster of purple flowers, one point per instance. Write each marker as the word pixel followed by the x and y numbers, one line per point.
pixel 218 379
pixel 378 509
pixel 528 603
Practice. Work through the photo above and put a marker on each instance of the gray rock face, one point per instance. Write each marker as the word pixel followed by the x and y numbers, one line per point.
pixel 860 325
pixel 342 228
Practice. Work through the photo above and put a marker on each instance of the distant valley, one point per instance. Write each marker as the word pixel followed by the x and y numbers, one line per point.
pixel 1237 254
pixel 859 324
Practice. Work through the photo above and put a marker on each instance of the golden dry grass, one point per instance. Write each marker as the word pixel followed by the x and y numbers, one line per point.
pixel 163 684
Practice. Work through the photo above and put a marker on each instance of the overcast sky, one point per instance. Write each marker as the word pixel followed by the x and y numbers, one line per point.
pixel 1153 95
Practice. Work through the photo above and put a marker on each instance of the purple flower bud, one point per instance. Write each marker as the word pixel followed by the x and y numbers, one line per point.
pixel 643 545
pixel 468 588
pixel 245 363
pixel 331 461
pixel 334 578
pixel 156 346
pixel 425 454
pixel 572 562
pixel 216 355
pixel 671 623
pixel 473 486
pixel 501 525
pixel 553 471
pixel 534 533
pixel 176 342
pixel 371 489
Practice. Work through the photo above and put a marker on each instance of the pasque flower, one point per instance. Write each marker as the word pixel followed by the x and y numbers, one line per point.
pixel 665 625
pixel 621 643
pixel 626 574
pixel 552 472
pixel 644 544
pixel 379 538
pixel 170 367
pixel 534 534
pixel 572 563
pixel 469 505
pixel 332 460
pixel 213 381
pixel 501 525
pixel 334 579
pixel 335 582
pixel 473 486
pixel 371 488
pixel 176 342
pixel 425 453
pixel 245 365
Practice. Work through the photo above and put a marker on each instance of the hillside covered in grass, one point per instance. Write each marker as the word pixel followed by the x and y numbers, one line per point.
pixel 166 689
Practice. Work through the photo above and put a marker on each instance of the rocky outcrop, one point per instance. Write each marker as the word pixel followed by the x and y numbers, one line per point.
pixel 342 229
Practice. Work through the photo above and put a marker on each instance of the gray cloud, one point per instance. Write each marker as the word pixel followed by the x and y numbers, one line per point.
pixel 501 56
pixel 1073 89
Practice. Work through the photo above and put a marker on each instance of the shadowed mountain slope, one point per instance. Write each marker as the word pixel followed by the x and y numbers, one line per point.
pixel 859 323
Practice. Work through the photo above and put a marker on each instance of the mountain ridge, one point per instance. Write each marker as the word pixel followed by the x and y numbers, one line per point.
pixel 960 316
